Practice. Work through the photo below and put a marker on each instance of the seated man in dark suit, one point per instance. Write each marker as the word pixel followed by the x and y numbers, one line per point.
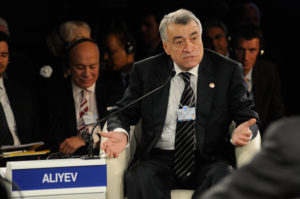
pixel 261 75
pixel 185 141
pixel 119 52
pixel 273 172
pixel 18 104
pixel 73 107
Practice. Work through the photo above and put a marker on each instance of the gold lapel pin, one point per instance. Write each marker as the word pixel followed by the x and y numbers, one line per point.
pixel 212 85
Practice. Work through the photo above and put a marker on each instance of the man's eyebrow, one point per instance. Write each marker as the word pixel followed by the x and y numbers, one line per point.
pixel 177 37
pixel 194 33
pixel 4 53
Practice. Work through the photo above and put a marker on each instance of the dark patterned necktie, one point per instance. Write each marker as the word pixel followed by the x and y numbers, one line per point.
pixel 5 134
pixel 185 134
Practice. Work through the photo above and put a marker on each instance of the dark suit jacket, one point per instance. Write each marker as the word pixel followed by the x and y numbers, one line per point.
pixel 24 104
pixel 59 114
pixel 216 106
pixel 267 93
pixel 273 172
pixel 116 86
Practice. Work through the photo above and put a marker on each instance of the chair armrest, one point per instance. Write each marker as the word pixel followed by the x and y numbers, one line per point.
pixel 244 154
pixel 182 193
pixel 116 168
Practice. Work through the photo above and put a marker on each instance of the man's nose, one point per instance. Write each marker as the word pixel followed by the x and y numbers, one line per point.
pixel 188 46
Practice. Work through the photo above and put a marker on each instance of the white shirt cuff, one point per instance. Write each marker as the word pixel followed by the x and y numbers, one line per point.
pixel 121 130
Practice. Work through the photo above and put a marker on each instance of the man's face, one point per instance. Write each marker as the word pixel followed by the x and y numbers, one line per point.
pixel 115 55
pixel 4 56
pixel 217 40
pixel 246 52
pixel 84 64
pixel 150 29
pixel 184 44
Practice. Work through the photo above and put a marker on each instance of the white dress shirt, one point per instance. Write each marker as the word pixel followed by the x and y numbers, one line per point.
pixel 167 139
pixel 249 80
pixel 92 106
pixel 8 113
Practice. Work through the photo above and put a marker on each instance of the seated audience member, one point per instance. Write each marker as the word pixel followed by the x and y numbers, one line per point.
pixel 119 51
pixel 150 43
pixel 185 140
pixel 216 37
pixel 261 75
pixel 72 108
pixel 21 66
pixel 4 26
pixel 18 104
pixel 245 12
pixel 273 172
pixel 57 42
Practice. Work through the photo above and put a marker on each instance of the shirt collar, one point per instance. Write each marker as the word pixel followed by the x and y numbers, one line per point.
pixel 2 83
pixel 77 89
pixel 193 71
pixel 249 75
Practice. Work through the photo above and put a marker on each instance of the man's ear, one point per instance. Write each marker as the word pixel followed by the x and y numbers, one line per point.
pixel 166 48
pixel 130 58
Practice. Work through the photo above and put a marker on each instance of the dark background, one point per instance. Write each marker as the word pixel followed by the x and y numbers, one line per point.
pixel 30 22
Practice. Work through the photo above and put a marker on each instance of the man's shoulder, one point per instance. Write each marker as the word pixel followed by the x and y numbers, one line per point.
pixel 284 135
pixel 218 58
pixel 265 65
pixel 158 62
pixel 162 57
pixel 219 62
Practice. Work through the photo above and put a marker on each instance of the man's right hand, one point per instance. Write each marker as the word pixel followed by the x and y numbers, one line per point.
pixel 115 143
pixel 71 144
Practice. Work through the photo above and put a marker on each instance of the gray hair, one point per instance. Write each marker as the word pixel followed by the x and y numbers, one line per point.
pixel 3 23
pixel 181 16
pixel 68 30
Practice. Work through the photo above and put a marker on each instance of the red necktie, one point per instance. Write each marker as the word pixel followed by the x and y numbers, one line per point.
pixel 82 127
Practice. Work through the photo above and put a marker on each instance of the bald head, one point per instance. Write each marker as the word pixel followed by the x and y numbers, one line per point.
pixel 84 59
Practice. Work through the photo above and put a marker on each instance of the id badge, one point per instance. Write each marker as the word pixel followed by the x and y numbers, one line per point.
pixel 89 118
pixel 186 114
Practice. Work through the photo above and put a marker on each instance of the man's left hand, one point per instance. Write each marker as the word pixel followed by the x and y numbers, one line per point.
pixel 242 134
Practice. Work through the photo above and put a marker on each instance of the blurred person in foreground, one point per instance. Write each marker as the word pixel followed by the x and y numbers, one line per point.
pixel 273 172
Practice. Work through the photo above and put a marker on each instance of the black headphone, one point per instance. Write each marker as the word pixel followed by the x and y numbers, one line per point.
pixel 129 47
pixel 72 44
pixel 129 39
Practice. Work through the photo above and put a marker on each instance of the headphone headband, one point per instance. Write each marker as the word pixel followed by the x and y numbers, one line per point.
pixel 75 43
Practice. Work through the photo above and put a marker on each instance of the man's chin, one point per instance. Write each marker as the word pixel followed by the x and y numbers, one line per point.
pixel 188 67
pixel 86 85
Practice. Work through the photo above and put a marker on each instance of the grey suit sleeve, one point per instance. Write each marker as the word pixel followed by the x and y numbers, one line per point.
pixel 273 173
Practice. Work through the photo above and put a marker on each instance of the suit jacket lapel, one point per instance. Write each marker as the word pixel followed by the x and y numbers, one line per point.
pixel 205 94
pixel 69 107
pixel 12 93
pixel 160 98
pixel 101 100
